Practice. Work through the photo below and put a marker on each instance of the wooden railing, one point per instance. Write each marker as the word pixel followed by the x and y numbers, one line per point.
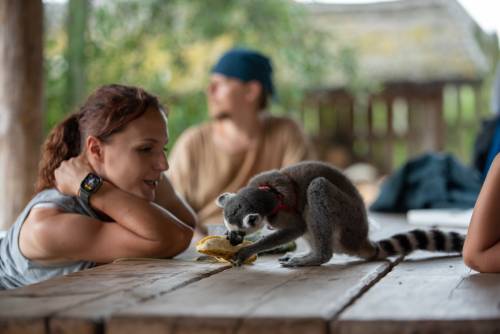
pixel 397 123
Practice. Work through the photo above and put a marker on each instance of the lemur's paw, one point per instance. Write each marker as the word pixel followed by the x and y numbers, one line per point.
pixel 291 261
pixel 236 263
pixel 301 262
pixel 241 256
pixel 285 258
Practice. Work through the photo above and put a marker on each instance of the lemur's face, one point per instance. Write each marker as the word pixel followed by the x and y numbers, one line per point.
pixel 240 217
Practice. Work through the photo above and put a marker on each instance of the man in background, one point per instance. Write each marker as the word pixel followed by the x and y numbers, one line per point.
pixel 240 140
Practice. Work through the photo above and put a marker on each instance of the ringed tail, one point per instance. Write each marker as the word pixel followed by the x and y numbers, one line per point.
pixel 431 240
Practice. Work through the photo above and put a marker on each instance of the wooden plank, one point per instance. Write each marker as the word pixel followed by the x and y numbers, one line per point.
pixel 426 295
pixel 36 303
pixel 264 297
pixel 26 325
pixel 85 316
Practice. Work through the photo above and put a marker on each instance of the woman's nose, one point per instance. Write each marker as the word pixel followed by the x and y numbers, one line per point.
pixel 162 163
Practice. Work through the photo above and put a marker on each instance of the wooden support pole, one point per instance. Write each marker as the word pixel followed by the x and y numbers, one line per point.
pixel 20 103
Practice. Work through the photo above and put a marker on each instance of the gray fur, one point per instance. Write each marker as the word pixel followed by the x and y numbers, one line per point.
pixel 321 204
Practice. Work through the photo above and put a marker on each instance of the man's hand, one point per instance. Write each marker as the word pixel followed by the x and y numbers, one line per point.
pixel 70 174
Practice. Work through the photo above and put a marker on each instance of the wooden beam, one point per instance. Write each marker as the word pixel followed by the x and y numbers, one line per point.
pixel 20 103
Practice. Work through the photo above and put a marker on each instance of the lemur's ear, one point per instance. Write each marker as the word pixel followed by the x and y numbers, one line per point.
pixel 222 199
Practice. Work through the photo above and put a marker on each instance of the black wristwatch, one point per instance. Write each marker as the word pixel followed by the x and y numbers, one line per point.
pixel 90 184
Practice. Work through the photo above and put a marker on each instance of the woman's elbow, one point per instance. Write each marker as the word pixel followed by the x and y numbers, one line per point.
pixel 184 240
pixel 176 245
pixel 476 261
pixel 191 220
pixel 471 260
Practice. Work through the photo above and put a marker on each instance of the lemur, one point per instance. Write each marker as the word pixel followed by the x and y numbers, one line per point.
pixel 317 201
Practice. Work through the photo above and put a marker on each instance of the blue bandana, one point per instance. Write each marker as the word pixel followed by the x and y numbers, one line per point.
pixel 246 65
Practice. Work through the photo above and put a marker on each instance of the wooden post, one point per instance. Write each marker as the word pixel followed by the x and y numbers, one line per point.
pixel 389 149
pixel 441 127
pixel 20 103
pixel 458 120
pixel 478 104
pixel 370 129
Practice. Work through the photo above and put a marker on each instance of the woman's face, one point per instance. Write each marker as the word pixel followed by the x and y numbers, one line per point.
pixel 134 159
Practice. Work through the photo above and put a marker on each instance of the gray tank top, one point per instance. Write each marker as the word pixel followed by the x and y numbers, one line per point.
pixel 15 269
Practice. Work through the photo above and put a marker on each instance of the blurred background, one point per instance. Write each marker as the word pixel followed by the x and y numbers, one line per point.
pixel 372 82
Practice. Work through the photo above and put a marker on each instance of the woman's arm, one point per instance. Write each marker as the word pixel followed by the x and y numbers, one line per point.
pixel 142 228
pixel 51 236
pixel 167 198
pixel 482 246
pixel 142 217
pixel 146 219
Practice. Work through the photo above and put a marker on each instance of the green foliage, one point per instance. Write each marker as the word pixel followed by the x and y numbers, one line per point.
pixel 168 47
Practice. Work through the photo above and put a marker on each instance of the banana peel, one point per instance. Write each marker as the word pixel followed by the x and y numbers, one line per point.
pixel 221 249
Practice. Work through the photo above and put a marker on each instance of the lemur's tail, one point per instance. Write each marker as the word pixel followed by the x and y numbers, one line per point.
pixel 431 240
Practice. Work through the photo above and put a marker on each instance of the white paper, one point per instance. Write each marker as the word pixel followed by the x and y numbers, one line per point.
pixel 440 217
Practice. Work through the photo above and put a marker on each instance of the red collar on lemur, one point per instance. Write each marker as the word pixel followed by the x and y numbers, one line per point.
pixel 281 206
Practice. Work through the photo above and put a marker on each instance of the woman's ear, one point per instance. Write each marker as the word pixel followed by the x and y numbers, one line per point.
pixel 94 150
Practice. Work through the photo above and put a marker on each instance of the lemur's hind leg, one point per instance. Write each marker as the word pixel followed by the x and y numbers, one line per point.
pixel 285 258
pixel 323 199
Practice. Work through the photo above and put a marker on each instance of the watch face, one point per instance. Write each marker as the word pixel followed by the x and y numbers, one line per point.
pixel 91 182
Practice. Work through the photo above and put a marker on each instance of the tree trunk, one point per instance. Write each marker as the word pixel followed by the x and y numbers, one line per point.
pixel 20 103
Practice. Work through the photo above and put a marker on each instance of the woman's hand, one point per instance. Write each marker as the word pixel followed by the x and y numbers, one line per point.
pixel 70 174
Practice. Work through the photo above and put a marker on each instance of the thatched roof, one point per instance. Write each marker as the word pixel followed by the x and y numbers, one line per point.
pixel 412 41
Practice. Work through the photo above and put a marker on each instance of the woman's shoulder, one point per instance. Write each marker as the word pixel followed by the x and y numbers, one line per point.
pixel 54 198
pixel 52 195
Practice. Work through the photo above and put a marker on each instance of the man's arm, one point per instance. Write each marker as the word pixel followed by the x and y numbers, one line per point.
pixel 182 165
pixel 167 198
pixel 298 146
pixel 482 245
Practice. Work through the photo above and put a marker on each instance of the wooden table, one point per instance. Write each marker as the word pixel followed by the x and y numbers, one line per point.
pixel 424 293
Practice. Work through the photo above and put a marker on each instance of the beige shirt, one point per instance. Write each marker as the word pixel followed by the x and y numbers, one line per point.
pixel 200 172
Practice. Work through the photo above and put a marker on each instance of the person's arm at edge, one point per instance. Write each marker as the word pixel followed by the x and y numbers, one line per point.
pixel 482 245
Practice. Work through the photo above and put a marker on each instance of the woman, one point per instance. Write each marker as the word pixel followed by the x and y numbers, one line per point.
pixel 101 193
pixel 482 245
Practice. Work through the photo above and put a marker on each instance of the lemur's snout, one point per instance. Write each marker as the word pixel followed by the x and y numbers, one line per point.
pixel 235 237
